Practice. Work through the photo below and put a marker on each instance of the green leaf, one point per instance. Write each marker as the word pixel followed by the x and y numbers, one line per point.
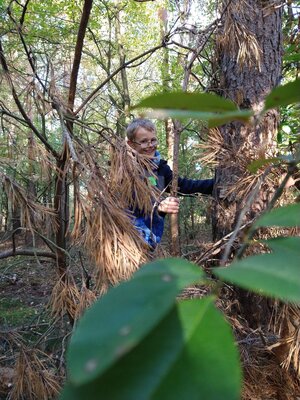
pixel 214 119
pixel 283 95
pixel 276 274
pixel 292 57
pixel 290 245
pixel 288 216
pixel 209 352
pixel 179 359
pixel 255 165
pixel 224 118
pixel 188 101
pixel 117 322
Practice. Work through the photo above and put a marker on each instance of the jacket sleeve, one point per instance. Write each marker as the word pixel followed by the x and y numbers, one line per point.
pixel 189 186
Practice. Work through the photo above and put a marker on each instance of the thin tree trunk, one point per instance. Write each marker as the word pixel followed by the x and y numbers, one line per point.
pixel 174 220
pixel 125 92
pixel 61 198
pixel 78 51
pixel 31 187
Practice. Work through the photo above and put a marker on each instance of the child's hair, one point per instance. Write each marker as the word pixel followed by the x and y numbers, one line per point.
pixel 139 123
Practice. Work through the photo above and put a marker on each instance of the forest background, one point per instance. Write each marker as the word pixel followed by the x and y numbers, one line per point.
pixel 70 74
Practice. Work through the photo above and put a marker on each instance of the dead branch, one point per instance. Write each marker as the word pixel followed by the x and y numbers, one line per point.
pixel 26 252
pixel 29 53
pixel 249 202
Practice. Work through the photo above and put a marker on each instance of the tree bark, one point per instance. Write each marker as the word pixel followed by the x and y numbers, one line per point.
pixel 174 218
pixel 250 52
pixel 78 51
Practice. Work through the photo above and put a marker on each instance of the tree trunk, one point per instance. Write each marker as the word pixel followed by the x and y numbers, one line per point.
pixel 174 220
pixel 124 112
pixel 61 207
pixel 31 187
pixel 249 51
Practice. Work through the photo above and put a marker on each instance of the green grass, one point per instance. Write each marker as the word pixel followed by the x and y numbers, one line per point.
pixel 14 313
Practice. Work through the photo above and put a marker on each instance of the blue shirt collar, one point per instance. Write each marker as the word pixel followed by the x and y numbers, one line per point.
pixel 157 157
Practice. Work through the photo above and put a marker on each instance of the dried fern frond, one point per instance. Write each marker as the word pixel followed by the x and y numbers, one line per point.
pixel 237 157
pixel 103 220
pixel 33 214
pixel 129 174
pixel 108 234
pixel 213 148
pixel 87 298
pixel 47 164
pixel 34 378
pixel 293 356
pixel 286 322
pixel 64 298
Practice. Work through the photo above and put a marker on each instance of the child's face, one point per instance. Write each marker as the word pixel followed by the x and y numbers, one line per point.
pixel 145 142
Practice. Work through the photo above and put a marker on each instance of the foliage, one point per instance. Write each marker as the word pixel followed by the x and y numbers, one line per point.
pixel 39 53
pixel 204 106
pixel 130 335
pixel 154 347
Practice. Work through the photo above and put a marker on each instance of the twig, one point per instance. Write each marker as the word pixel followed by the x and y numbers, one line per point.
pixel 20 107
pixel 245 209
pixel 126 64
pixel 87 275
pixel 220 243
pixel 276 196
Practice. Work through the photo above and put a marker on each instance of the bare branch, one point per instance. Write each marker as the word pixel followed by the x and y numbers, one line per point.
pixel 78 51
pixel 28 51
pixel 126 64
pixel 24 12
pixel 20 107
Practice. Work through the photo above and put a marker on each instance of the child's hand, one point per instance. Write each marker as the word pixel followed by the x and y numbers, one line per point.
pixel 170 205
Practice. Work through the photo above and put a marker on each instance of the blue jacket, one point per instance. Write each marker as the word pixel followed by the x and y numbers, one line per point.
pixel 151 228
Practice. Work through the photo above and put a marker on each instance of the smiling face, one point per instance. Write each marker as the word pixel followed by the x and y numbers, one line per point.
pixel 144 142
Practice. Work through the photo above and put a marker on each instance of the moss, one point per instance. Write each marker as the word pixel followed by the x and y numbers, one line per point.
pixel 13 312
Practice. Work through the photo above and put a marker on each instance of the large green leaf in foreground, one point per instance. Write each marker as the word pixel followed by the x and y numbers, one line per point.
pixel 121 319
pixel 190 354
pixel 288 216
pixel 283 95
pixel 276 274
pixel 189 102
pixel 208 107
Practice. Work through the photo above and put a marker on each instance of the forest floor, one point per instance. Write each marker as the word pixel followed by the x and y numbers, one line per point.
pixel 26 324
